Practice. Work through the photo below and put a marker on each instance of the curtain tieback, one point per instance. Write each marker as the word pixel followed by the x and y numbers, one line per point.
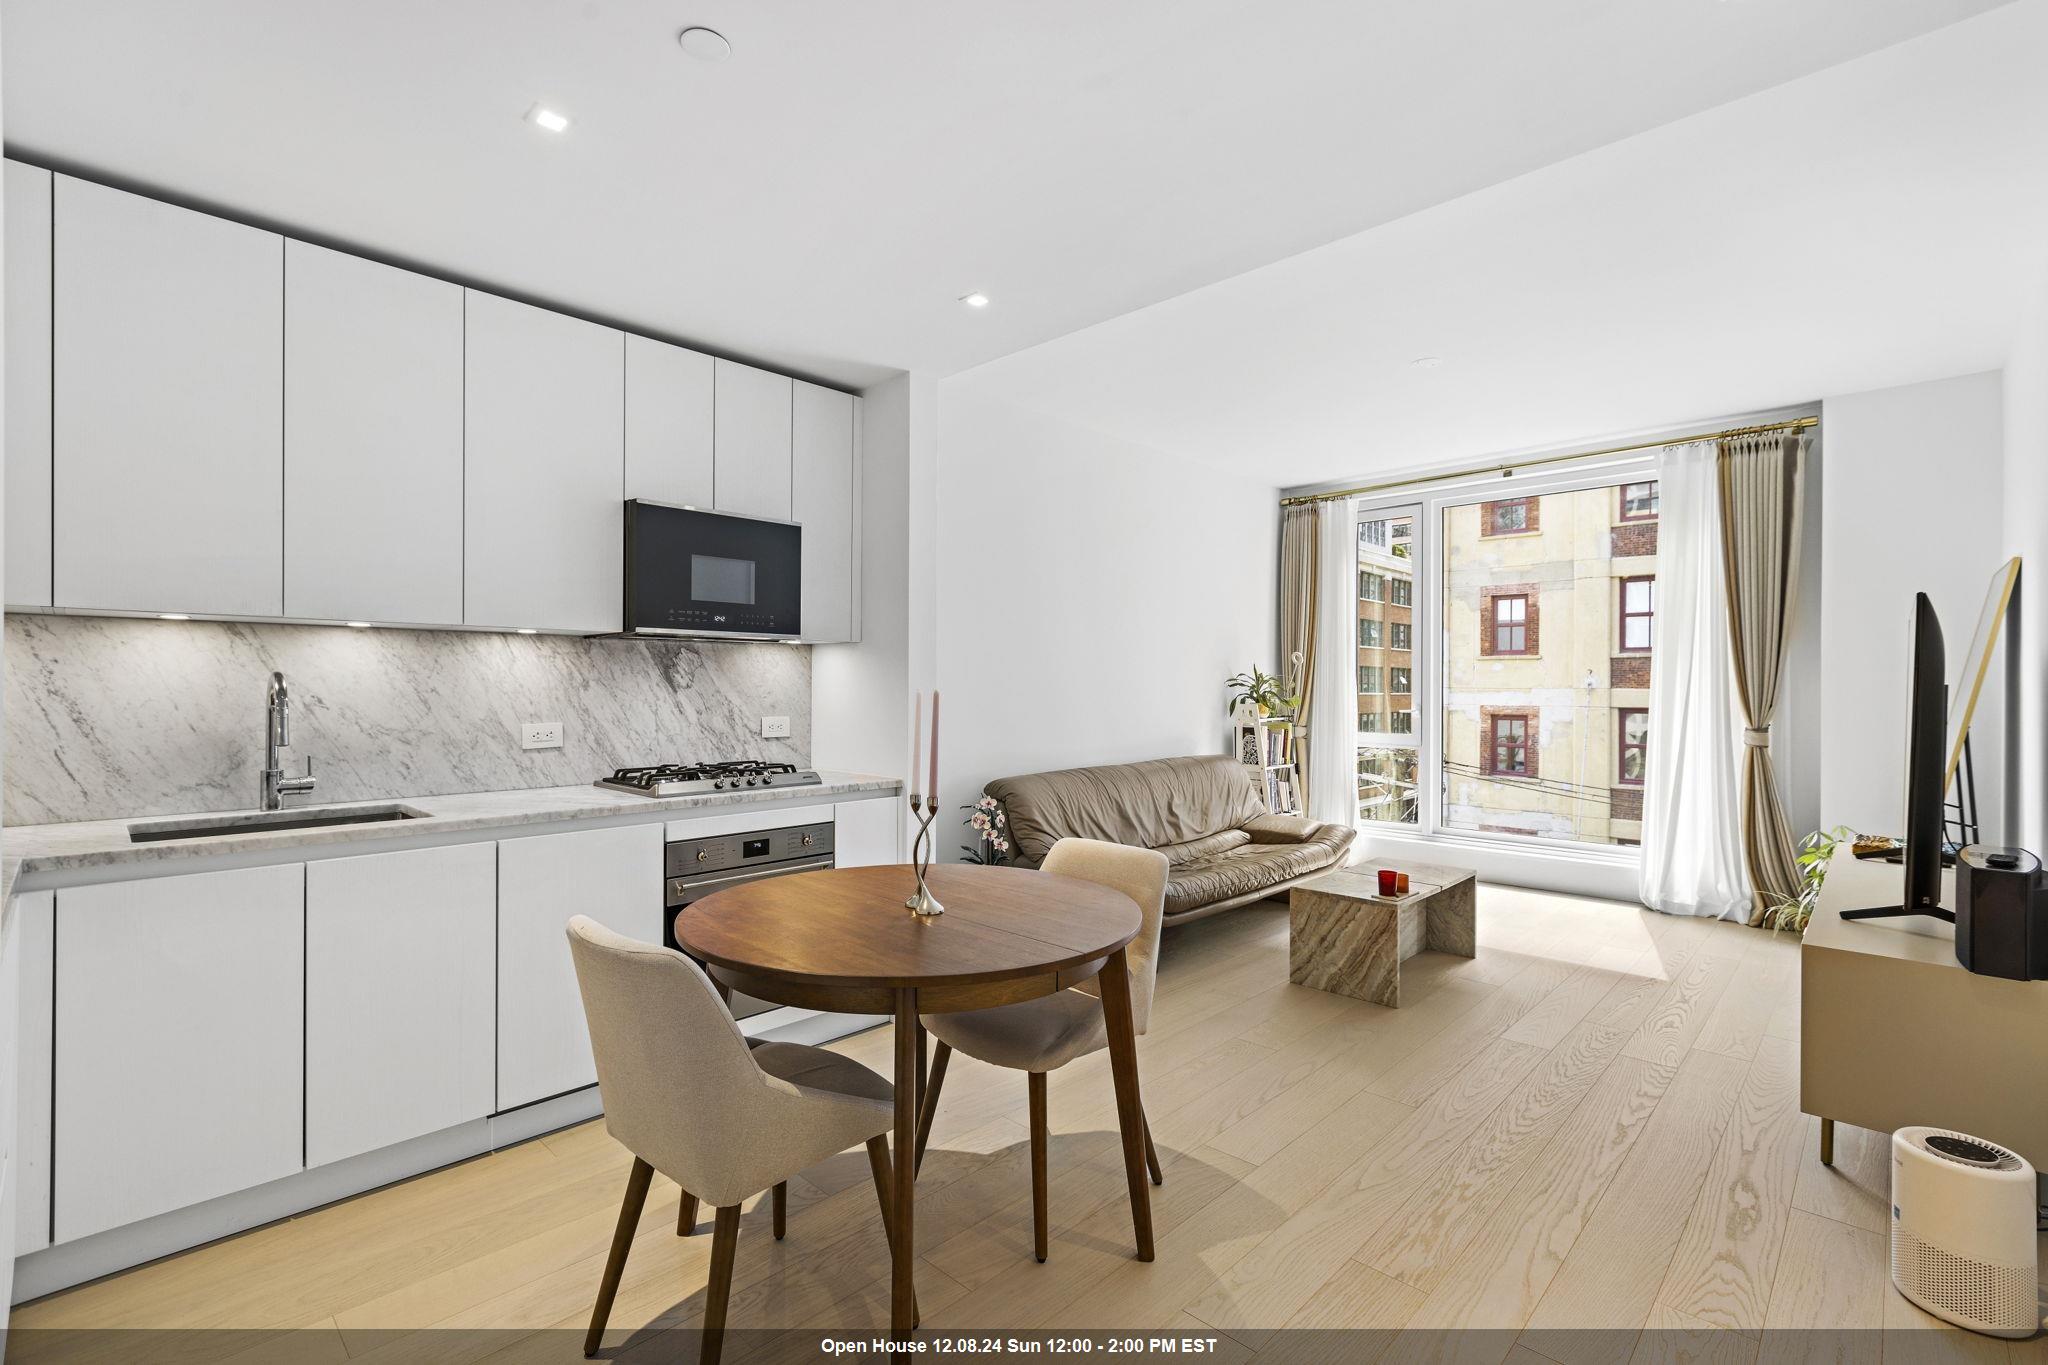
pixel 1757 739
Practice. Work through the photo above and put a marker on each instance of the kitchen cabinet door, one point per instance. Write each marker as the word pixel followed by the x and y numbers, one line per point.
pixel 179 1037
pixel 822 500
pixel 400 996
pixel 866 833
pixel 28 385
pixel 612 875
pixel 168 467
pixel 668 423
pixel 372 441
pixel 751 440
pixel 543 520
pixel 30 963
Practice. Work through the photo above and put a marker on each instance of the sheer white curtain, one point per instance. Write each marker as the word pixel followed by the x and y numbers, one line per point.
pixel 1333 698
pixel 1692 797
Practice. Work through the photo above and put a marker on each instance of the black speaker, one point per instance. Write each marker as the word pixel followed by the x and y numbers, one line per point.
pixel 2001 913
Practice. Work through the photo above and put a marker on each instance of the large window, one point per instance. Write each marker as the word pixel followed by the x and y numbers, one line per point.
pixel 1388 760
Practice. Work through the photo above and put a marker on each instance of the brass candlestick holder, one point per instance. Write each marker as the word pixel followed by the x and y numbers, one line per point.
pixel 923 902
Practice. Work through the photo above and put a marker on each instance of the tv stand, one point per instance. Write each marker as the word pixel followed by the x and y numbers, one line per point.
pixel 1894 911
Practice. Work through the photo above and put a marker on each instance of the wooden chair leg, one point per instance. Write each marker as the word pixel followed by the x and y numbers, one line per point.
pixel 878 1166
pixel 1038 1144
pixel 930 1106
pixel 622 1242
pixel 1152 1156
pixel 781 1208
pixel 686 1215
pixel 725 1243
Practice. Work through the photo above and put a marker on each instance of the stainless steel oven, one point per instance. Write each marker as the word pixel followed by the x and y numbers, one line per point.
pixel 697 867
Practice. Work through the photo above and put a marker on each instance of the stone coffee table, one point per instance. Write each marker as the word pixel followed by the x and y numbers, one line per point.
pixel 1348 939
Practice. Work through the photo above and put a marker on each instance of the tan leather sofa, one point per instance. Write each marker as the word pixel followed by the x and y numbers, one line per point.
pixel 1223 848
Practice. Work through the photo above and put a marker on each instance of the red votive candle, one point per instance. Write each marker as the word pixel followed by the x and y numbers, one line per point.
pixel 1387 881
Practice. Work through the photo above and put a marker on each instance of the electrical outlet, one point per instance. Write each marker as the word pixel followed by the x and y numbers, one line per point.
pixel 775 727
pixel 541 734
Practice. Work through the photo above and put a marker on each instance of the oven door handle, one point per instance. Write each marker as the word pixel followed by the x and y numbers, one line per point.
pixel 692 885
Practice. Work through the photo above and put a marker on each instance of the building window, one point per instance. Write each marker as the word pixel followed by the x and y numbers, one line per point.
pixel 1403 594
pixel 1507 743
pixel 1635 744
pixel 1400 687
pixel 1369 678
pixel 1510 625
pixel 1638 614
pixel 1372 533
pixel 1402 723
pixel 1399 635
pixel 1372 587
pixel 1368 633
pixel 1639 501
pixel 1509 517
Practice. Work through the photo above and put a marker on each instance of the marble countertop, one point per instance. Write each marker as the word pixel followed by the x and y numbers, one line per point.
pixel 106 843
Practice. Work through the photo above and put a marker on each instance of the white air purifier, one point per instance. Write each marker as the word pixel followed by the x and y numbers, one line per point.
pixel 1963 1230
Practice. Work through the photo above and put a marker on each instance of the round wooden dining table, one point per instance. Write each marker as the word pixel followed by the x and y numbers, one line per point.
pixel 841 940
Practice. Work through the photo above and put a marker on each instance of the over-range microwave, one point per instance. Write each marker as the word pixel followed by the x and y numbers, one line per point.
pixel 691 572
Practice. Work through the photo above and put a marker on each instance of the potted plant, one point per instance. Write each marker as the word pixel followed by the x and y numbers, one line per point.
pixel 1257 689
pixel 1815 850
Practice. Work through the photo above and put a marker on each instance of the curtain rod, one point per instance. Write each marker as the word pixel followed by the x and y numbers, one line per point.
pixel 1796 424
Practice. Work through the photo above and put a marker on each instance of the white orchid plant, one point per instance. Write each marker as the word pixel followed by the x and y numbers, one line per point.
pixel 991 846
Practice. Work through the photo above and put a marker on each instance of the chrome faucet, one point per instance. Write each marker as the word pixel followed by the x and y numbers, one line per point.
pixel 277 735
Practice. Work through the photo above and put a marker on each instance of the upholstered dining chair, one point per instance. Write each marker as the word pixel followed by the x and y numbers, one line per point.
pixel 686 1096
pixel 1042 1035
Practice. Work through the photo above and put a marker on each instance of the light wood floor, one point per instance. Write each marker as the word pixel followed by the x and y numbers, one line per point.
pixel 1591 1128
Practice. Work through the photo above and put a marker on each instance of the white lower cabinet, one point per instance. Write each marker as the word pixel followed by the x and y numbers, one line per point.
pixel 865 833
pixel 179 1027
pixel 400 996
pixel 612 875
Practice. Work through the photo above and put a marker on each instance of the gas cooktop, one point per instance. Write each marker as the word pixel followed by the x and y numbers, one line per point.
pixel 692 779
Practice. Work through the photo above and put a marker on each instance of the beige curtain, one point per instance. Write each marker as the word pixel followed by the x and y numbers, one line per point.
pixel 1300 544
pixel 1761 492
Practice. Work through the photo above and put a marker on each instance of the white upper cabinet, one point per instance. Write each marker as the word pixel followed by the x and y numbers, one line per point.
pixel 543 520
pixel 168 470
pixel 752 441
pixel 822 500
pixel 668 423
pixel 372 441
pixel 28 385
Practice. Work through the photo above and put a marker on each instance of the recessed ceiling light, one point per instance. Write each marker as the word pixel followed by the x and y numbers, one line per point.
pixel 705 44
pixel 540 116
pixel 975 300
pixel 360 625
pixel 172 616
pixel 528 630
pixel 1427 362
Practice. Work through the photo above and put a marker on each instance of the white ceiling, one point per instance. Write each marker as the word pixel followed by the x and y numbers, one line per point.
pixel 820 200
pixel 1870 225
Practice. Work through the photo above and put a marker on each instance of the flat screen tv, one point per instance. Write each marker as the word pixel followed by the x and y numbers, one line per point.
pixel 1926 773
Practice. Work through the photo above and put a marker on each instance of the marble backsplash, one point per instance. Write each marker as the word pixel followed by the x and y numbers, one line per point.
pixel 108 718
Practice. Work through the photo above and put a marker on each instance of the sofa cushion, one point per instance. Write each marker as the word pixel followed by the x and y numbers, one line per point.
pixel 1242 872
pixel 1159 803
pixel 1208 846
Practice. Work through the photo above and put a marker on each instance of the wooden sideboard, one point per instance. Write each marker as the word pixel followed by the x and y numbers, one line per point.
pixel 1894 1032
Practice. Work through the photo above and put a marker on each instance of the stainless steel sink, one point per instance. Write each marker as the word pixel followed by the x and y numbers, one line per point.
pixel 264 822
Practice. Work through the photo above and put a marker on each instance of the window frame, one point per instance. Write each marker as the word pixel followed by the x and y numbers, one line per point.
pixel 1397 676
pixel 1494 625
pixel 1491 764
pixel 1378 635
pixel 1532 520
pixel 1375 690
pixel 1622 513
pixel 1401 636
pixel 1623 615
pixel 1396 598
pixel 1368 579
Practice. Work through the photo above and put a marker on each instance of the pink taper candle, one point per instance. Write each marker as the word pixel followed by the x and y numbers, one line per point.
pixel 916 740
pixel 933 790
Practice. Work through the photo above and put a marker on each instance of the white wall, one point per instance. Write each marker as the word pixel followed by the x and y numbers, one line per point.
pixel 1912 504
pixel 1092 596
pixel 2026 535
